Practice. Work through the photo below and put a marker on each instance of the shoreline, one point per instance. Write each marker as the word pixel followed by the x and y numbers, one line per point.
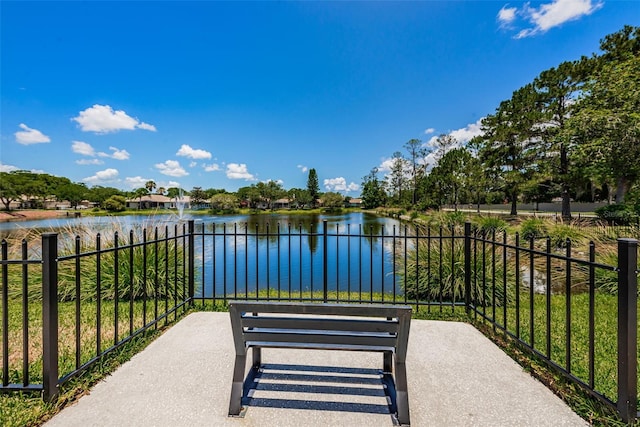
pixel 31 214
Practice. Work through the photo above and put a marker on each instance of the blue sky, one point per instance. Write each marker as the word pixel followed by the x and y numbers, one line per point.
pixel 227 94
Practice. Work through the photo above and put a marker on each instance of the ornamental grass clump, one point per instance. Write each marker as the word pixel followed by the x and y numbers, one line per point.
pixel 113 264
pixel 489 224
pixel 447 219
pixel 533 228
pixel 434 270
pixel 560 234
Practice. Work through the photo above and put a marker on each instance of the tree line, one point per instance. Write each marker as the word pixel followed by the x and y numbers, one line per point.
pixel 572 133
pixel 36 188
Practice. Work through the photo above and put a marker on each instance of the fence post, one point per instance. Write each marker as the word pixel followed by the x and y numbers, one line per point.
pixel 627 328
pixel 50 315
pixel 467 266
pixel 192 268
pixel 324 260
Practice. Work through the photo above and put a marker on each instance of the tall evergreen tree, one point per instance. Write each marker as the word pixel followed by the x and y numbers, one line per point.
pixel 417 153
pixel 509 145
pixel 608 117
pixel 313 187
pixel 557 88
pixel 396 180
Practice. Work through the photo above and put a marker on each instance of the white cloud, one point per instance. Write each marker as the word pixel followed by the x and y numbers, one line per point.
pixel 429 131
pixel 386 165
pixel 507 15
pixel 107 175
pixel 239 171
pixel 186 151
pixel 136 181
pixel 164 184
pixel 547 15
pixel 340 184
pixel 193 164
pixel 558 12
pixel 171 168
pixel 277 181
pixel 462 135
pixel 83 148
pixel 89 162
pixel 302 168
pixel 146 126
pixel 103 119
pixel 28 136
pixel 7 168
pixel 466 133
pixel 212 167
pixel 119 154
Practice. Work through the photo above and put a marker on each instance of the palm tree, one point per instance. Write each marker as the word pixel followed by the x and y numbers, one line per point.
pixel 140 193
pixel 150 186
pixel 161 191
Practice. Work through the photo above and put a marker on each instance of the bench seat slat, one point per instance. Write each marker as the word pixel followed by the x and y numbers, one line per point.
pixel 319 346
pixel 321 324
pixel 356 310
pixel 321 337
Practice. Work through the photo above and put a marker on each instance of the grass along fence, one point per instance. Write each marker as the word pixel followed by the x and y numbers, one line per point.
pixel 66 303
pixel 563 302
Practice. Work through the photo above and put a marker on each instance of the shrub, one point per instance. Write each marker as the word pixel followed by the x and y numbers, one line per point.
pixel 224 203
pixel 448 219
pixel 115 204
pixel 489 224
pixel 618 214
pixel 533 228
pixel 560 233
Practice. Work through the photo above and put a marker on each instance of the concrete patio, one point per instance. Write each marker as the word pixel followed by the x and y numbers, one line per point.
pixel 457 377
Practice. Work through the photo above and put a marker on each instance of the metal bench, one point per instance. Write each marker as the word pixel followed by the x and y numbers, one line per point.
pixel 358 327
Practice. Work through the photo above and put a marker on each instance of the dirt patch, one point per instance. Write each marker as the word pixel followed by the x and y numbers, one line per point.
pixel 26 215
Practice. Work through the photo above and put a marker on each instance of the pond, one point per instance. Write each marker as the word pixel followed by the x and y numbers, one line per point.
pixel 245 254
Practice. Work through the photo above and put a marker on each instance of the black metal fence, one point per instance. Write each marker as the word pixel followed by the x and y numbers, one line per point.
pixel 569 306
pixel 86 299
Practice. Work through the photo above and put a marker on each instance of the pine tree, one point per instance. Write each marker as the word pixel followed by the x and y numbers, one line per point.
pixel 313 187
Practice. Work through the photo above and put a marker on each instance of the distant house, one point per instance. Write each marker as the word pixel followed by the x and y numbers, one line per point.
pixel 50 202
pixel 157 201
pixel 354 203
pixel 26 202
pixel 281 203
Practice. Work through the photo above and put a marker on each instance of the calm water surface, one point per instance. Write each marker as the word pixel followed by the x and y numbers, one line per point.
pixel 244 254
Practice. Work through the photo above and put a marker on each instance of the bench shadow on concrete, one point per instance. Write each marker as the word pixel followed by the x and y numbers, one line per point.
pixel 347 384
pixel 183 378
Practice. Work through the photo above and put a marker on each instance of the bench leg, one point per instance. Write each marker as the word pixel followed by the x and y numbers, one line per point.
pixel 387 362
pixel 235 403
pixel 257 359
pixel 402 394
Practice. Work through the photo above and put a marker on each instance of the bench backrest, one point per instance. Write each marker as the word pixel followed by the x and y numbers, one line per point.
pixel 366 327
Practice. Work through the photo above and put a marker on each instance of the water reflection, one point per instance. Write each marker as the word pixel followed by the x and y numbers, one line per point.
pixel 274 253
pixel 246 254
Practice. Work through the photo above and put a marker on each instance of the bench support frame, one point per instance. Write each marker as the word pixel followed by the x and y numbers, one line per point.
pixel 385 330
